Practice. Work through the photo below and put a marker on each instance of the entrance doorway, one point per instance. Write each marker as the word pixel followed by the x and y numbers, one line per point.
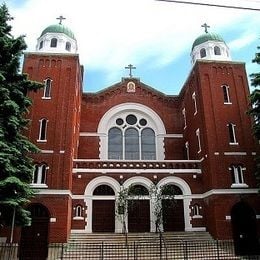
pixel 34 238
pixel 139 216
pixel 173 217
pixel 244 227
pixel 103 214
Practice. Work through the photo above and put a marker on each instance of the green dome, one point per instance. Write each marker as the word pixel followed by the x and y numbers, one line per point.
pixel 207 37
pixel 58 28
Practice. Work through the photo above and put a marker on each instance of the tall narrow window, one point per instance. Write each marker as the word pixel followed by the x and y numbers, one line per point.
pixel 184 117
pixel 39 175
pixel 198 139
pixel 131 144
pixel 232 133
pixel 78 211
pixel 54 42
pixel 195 103
pixel 47 88
pixel 226 95
pixel 41 45
pixel 68 46
pixel 43 129
pixel 217 50
pixel 203 53
pixel 187 150
pixel 148 144
pixel 196 210
pixel 115 144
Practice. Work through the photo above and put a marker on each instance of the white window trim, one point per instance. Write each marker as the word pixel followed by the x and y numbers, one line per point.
pixel 226 87
pixel 195 103
pixel 44 89
pixel 154 120
pixel 187 150
pixel 235 171
pixel 40 131
pixel 198 139
pixel 38 182
pixel 184 117
pixel 233 134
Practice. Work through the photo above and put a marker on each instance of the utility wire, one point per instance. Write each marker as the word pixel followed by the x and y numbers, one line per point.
pixel 213 5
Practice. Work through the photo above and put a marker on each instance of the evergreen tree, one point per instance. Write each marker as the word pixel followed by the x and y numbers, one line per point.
pixel 16 166
pixel 255 110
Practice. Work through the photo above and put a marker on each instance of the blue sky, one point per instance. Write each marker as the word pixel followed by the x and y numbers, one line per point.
pixel 154 36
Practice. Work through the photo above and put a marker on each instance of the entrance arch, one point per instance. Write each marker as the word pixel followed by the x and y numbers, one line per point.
pixel 173 213
pixel 103 210
pixel 93 201
pixel 34 238
pixel 244 228
pixel 183 200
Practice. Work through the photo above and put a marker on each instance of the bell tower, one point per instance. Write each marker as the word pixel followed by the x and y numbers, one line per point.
pixel 55 116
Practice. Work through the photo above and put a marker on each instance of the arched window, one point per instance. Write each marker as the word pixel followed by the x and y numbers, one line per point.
pixel 132 144
pixel 232 133
pixel 148 144
pixel 203 53
pixel 39 175
pixel 237 174
pixel 115 144
pixel 54 42
pixel 226 95
pixel 47 88
pixel 102 190
pixel 196 210
pixel 78 211
pixel 138 190
pixel 131 139
pixel 68 46
pixel 41 45
pixel 217 50
pixel 43 129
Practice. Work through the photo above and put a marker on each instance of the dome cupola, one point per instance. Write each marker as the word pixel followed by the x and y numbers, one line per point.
pixel 57 38
pixel 209 46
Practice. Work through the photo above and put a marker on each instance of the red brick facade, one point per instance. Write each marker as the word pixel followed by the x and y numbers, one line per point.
pixel 193 147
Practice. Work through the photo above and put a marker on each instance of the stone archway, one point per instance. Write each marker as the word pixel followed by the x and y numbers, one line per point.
pixel 34 238
pixel 244 228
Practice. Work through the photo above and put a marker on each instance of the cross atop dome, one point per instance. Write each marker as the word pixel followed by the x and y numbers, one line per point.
pixel 60 18
pixel 205 27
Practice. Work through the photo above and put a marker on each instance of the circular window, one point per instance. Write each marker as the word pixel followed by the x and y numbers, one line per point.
pixel 119 121
pixel 143 122
pixel 131 119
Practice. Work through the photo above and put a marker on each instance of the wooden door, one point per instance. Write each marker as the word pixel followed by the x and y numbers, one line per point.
pixel 173 215
pixel 139 216
pixel 34 238
pixel 103 219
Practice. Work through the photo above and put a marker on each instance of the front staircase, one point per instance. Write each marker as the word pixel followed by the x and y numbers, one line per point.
pixel 147 246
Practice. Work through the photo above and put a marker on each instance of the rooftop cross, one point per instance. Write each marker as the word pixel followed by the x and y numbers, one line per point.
pixel 206 27
pixel 60 18
pixel 130 67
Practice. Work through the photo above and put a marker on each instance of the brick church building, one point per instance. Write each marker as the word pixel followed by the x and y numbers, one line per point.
pixel 93 144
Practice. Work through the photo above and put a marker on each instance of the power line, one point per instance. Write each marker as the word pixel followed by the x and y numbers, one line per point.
pixel 212 5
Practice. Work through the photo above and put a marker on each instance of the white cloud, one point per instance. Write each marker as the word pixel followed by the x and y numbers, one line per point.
pixel 114 33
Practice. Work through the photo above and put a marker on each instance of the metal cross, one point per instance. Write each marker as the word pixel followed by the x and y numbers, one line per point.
pixel 60 18
pixel 130 67
pixel 206 27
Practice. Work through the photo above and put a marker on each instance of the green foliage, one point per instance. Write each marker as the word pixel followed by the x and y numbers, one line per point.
pixel 255 110
pixel 16 166
pixel 159 194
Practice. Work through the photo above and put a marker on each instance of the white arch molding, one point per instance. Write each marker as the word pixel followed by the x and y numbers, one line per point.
pixel 106 180
pixel 155 122
pixel 89 197
pixel 186 191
